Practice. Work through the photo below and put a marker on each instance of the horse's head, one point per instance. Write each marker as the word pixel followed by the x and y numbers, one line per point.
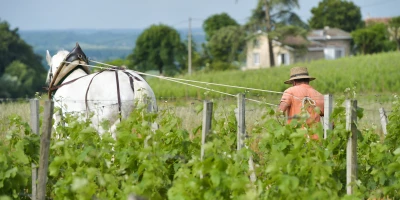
pixel 54 63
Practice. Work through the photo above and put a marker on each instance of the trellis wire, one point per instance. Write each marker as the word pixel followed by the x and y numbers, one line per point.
pixel 177 81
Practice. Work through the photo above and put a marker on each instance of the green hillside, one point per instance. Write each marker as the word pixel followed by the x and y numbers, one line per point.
pixel 379 73
pixel 99 45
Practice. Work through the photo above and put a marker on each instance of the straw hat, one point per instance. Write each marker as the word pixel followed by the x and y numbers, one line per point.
pixel 298 73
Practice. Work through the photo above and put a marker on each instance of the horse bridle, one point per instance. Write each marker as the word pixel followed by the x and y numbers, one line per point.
pixel 50 75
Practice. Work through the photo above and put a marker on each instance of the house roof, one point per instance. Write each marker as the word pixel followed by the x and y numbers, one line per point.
pixel 298 40
pixel 315 44
pixel 328 33
pixel 283 45
pixel 290 42
pixel 294 40
pixel 374 20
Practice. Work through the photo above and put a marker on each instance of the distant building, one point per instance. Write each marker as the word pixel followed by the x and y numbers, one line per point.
pixel 375 20
pixel 337 42
pixel 383 20
pixel 327 43
pixel 258 53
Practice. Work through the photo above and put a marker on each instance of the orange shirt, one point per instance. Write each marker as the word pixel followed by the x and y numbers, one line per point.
pixel 294 97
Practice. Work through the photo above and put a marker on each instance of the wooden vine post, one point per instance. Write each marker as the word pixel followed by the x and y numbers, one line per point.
pixel 34 123
pixel 241 131
pixel 240 117
pixel 351 151
pixel 207 116
pixel 328 108
pixel 45 148
pixel 384 120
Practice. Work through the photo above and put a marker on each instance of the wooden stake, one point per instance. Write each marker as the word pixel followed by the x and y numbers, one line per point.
pixel 327 114
pixel 384 120
pixel 207 116
pixel 34 123
pixel 241 125
pixel 241 132
pixel 45 148
pixel 351 152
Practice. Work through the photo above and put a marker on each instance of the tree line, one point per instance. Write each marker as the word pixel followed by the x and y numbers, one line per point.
pixel 160 47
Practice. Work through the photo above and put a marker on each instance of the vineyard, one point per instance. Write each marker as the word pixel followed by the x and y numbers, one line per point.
pixel 166 163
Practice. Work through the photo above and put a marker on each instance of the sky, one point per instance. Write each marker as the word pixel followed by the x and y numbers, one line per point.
pixel 139 14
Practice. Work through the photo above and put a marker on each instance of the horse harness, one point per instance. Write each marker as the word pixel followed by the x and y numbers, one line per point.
pixel 77 59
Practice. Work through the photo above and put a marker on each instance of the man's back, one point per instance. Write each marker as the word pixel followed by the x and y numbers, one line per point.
pixel 303 95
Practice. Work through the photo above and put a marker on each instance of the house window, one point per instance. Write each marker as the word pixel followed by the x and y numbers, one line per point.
pixel 256 58
pixel 256 43
pixel 283 59
pixel 338 53
pixel 333 53
pixel 318 32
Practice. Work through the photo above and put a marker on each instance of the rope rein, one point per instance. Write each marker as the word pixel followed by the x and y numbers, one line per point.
pixel 193 81
pixel 177 80
pixel 307 100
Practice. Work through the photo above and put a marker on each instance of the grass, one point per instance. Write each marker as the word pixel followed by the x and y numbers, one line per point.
pixel 18 108
pixel 369 74
pixel 8 110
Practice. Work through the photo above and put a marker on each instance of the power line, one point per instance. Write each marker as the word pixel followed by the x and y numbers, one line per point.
pixel 378 3
pixel 181 22
pixel 198 19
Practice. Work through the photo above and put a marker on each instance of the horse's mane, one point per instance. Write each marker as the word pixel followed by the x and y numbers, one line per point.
pixel 55 62
pixel 58 58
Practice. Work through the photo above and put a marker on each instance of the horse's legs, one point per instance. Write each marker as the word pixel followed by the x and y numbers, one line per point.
pixel 58 121
pixel 113 129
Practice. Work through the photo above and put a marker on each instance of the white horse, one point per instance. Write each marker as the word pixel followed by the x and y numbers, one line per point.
pixel 107 95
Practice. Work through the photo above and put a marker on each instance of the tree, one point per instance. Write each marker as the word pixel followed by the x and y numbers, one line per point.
pixel 394 30
pixel 338 14
pixel 215 22
pixel 292 36
pixel 21 77
pixel 272 14
pixel 159 47
pixel 12 47
pixel 18 57
pixel 372 39
pixel 226 44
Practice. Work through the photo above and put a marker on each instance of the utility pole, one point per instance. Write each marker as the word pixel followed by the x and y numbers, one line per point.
pixel 190 47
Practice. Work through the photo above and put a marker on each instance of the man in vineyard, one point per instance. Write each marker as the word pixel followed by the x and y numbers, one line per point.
pixel 302 97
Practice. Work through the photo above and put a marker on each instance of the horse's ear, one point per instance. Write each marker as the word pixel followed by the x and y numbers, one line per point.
pixel 48 57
